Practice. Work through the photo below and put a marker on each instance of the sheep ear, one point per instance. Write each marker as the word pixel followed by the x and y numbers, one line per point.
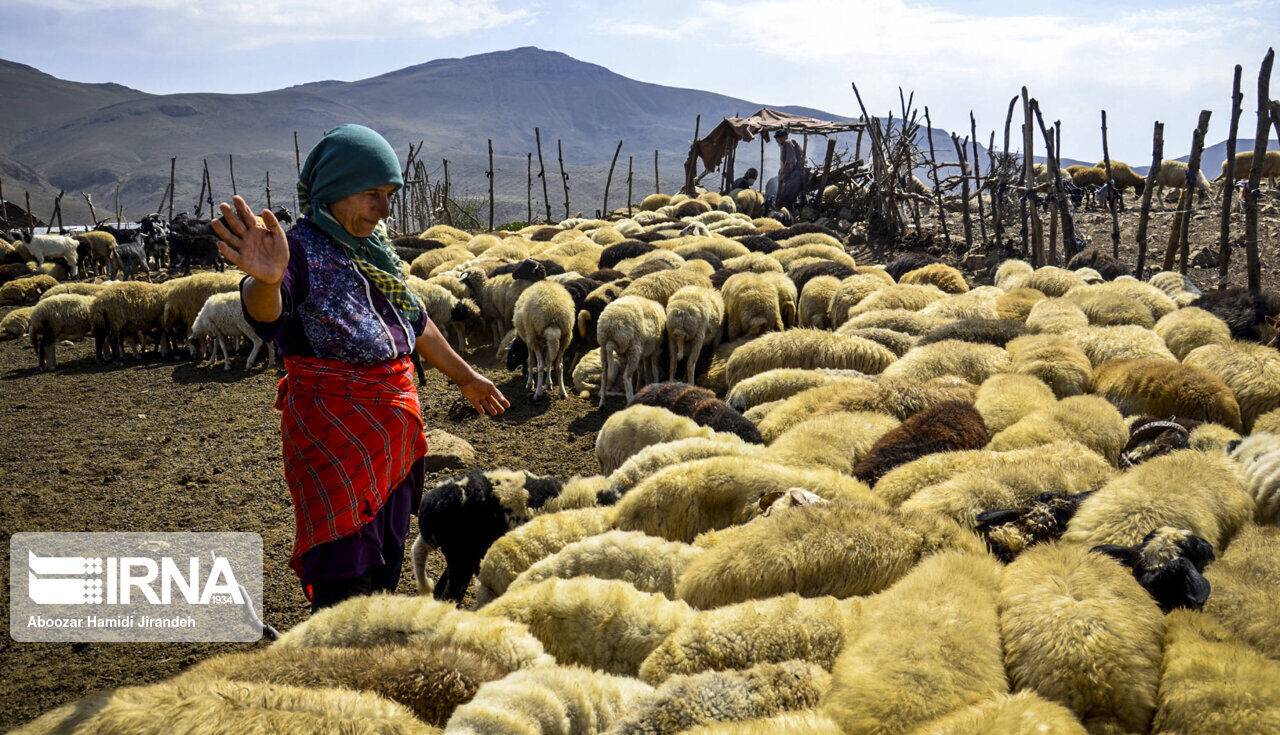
pixel 1126 555
pixel 992 518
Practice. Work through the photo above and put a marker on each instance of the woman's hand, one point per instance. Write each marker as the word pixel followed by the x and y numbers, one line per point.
pixel 257 248
pixel 483 395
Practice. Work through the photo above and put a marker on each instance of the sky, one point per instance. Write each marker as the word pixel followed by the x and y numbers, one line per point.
pixel 1142 61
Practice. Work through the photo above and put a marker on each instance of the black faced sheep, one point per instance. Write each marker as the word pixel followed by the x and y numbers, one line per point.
pixel 1246 316
pixel 1009 532
pixel 1169 564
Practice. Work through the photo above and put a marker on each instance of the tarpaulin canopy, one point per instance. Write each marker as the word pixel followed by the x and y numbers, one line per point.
pixel 713 147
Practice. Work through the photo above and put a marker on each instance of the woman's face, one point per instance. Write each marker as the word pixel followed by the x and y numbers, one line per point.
pixel 361 212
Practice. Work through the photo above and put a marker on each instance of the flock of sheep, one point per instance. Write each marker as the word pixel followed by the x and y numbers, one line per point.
pixel 842 498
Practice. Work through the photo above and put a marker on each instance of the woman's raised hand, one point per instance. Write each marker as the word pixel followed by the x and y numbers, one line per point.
pixel 257 247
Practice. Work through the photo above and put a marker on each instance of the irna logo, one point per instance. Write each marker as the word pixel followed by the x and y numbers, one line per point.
pixel 82 580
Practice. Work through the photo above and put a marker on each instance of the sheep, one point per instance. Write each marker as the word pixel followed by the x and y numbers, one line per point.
pixel 541 537
pixel 902 669
pixel 1052 281
pixel 638 426
pixel 908 261
pixel 1078 630
pixel 630 335
pixel 1243 165
pixel 1090 420
pixel 1055 316
pixel 214 705
pixel 941 275
pixel 752 305
pixel 606 625
pixel 184 299
pixel 683 702
pixel 1212 683
pixel 682 501
pixel 97 247
pixel 1204 493
pixel 1185 329
pixel 801 275
pixel 806 348
pixel 130 308
pixel 754 632
pixel 1053 359
pixel 1010 531
pixel 463 516
pixel 980 303
pixel 1169 564
pixel 837 441
pixel 1174 174
pixel 1165 388
pixel 58 318
pixel 1024 713
pixel 779 383
pixel 559 700
pixel 946 427
pixel 1016 304
pixel 1005 398
pixel 1244 581
pixel 592 307
pixel 1107 307
pixel 899 320
pixel 661 286
pixel 1258 455
pixel 1103 263
pixel 655 457
pixel 1123 176
pixel 899 343
pixel 1247 316
pixel 806 722
pixel 815 301
pixel 82 289
pixel 693 321
pixel 716 376
pixel 1122 342
pixel 996 332
pixel 649 564
pixel 895 397
pixel 912 297
pixel 42 247
pixel 1010 273
pixel 222 318
pixel 1251 371
pixel 972 362
pixel 851 291
pixel 752 262
pixel 838 549
pixel 699 404
pixel 25 291
pixel 431 680
pixel 543 318
pixel 654 261
pixel 15 324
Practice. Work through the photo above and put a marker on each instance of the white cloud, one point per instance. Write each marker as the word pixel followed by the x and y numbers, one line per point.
pixel 244 24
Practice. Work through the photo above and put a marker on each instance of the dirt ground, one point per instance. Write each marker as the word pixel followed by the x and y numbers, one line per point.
pixel 167 446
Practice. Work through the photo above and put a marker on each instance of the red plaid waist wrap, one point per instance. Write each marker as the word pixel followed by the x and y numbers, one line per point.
pixel 349 434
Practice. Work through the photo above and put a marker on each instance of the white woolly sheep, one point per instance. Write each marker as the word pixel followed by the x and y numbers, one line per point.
pixel 1010 273
pixel 25 291
pixel 1055 316
pixel 899 320
pixel 838 549
pixel 912 297
pixel 694 318
pixel 55 319
pixel 852 291
pixel 902 669
pixel 1174 175
pixel 1244 581
pixel 683 702
pixel 606 625
pixel 815 301
pixel 1017 303
pixel 83 289
pixel 559 700
pixel 1259 456
pixel 1166 388
pixel 896 397
pixel 1005 398
pixel 16 323
pixel 1080 631
pixel 1053 359
pixel 1250 370
pixel 1024 713
pixel 185 297
pixel 1090 420
pixel 1052 281
pixel 806 348
pixel 1185 329
pixel 544 317
pixel 779 383
pixel 972 362
pixel 215 705
pixel 647 563
pixel 42 247
pixel 221 319
pixel 941 275
pixel 837 441
pixel 630 336
pixel 1203 493
pixel 132 308
pixel 753 305
pixel 657 456
pixel 541 537
pixel 632 429
pixel 684 500
pixel 1124 342
pixel 662 285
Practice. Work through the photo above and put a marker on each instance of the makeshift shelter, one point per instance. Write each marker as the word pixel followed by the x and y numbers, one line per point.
pixel 14 217
pixel 724 138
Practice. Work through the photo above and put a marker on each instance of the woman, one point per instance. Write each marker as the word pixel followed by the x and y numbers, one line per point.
pixel 332 295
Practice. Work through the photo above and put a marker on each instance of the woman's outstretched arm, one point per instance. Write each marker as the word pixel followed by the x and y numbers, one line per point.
pixel 479 391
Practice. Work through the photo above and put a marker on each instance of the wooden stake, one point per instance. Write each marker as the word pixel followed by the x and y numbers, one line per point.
pixel 269 206
pixel 231 164
pixel 31 220
pixel 1028 181
pixel 656 186
pixel 200 197
pixel 1002 183
pixel 1255 175
pixel 564 177
pixel 826 166
pixel 119 212
pixel 93 214
pixel 933 171
pixel 604 208
pixel 760 178
pixel 542 172
pixel 57 212
pixel 691 164
pixel 1229 183
pixel 528 193
pixel 629 164
pixel 1113 191
pixel 977 178
pixel 448 216
pixel 297 156
pixel 209 194
pixel 489 174
pixel 173 162
pixel 857 148
pixel 1157 155
pixel 1181 225
pixel 964 191
pixel 1063 208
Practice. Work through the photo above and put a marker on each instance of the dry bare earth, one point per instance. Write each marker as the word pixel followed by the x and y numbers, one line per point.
pixel 165 446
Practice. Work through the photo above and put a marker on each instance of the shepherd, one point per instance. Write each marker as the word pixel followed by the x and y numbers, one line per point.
pixel 792 174
pixel 331 293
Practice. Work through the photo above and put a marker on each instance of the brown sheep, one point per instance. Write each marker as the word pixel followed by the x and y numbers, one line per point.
pixel 947 427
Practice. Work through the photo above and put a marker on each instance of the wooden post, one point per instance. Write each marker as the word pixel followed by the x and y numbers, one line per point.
pixel 57 212
pixel 964 191
pixel 1113 191
pixel 1053 157
pixel 119 212
pixel 231 164
pixel 93 214
pixel 209 194
pixel 1229 183
pixel 630 161
pixel 1157 155
pixel 542 172
pixel 977 178
pixel 448 216
pixel 1255 175
pixel 528 192
pixel 297 156
pixel 564 177
pixel 173 162
pixel 760 178
pixel 489 174
pixel 826 166
pixel 269 205
pixel 1002 182
pixel 857 148
pixel 200 197
pixel 657 187
pixel 31 220
pixel 1181 225
pixel 604 208
pixel 691 162
pixel 933 171
pixel 1028 181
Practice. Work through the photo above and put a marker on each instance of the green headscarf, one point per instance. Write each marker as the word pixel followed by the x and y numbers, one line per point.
pixel 350 159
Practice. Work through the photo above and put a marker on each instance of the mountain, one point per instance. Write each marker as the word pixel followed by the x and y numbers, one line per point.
pixel 1212 157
